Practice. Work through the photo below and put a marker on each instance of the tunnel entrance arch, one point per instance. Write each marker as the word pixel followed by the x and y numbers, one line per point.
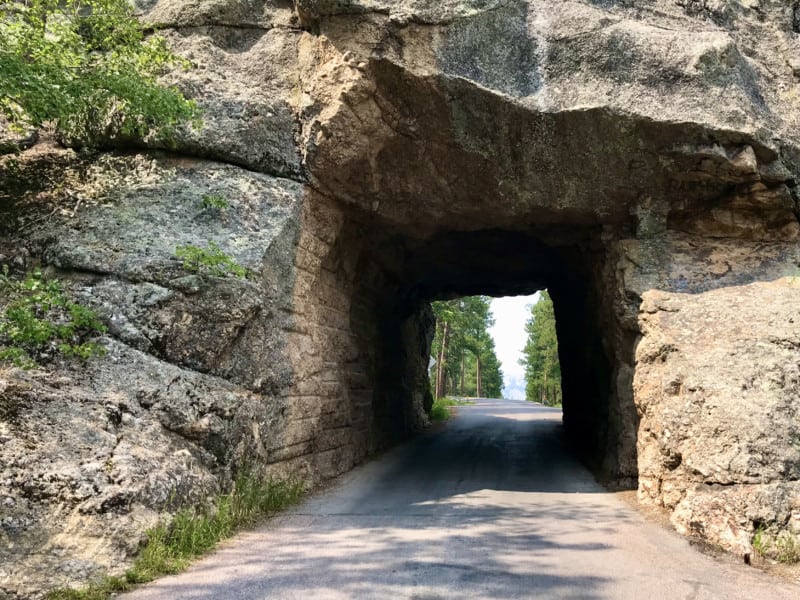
pixel 429 186
pixel 387 281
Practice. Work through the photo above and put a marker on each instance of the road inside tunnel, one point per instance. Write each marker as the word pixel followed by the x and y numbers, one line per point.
pixel 599 416
pixel 491 505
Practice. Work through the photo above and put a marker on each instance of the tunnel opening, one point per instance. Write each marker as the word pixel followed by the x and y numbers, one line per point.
pixel 497 263
pixel 386 279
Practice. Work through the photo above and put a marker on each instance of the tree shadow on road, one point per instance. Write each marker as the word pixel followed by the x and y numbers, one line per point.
pixel 491 554
pixel 490 507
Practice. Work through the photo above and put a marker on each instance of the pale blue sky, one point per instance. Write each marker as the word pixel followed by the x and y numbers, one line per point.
pixel 508 332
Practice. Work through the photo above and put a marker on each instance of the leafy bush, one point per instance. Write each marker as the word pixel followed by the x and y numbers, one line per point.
pixel 40 320
pixel 83 65
pixel 209 261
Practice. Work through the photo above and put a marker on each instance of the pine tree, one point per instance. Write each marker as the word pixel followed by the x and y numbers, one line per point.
pixel 466 363
pixel 540 355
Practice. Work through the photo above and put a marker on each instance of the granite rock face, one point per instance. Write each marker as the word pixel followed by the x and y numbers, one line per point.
pixel 94 453
pixel 639 159
pixel 716 387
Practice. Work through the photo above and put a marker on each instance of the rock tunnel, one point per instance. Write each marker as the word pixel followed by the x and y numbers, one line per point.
pixel 449 190
pixel 392 327
pixel 639 160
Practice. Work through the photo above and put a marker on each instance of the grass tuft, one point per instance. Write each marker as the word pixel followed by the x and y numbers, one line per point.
pixel 209 261
pixel 101 590
pixel 780 545
pixel 440 411
pixel 170 548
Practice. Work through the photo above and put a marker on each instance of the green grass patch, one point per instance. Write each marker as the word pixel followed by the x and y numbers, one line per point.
pixel 101 590
pixel 172 547
pixel 448 401
pixel 440 411
pixel 39 322
pixel 209 261
pixel 214 202
pixel 777 544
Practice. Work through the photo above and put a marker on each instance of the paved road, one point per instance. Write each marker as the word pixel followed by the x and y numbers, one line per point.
pixel 489 507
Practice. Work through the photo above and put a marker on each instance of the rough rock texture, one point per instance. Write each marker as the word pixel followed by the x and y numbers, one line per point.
pixel 717 386
pixel 195 365
pixel 639 158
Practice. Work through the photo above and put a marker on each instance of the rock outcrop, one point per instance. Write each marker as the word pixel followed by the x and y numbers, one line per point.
pixel 638 158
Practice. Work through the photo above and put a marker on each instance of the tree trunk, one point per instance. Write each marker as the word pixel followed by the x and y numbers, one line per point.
pixel 440 372
pixel 478 382
pixel 438 375
pixel 461 392
pixel 544 400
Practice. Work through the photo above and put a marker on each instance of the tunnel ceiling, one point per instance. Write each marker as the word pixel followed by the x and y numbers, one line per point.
pixel 492 262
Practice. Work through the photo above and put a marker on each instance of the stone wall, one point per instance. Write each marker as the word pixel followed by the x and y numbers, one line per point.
pixel 340 404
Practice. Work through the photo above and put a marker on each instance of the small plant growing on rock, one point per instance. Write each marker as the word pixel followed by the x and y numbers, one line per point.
pixel 209 261
pixel 214 202
pixel 40 321
pixel 780 545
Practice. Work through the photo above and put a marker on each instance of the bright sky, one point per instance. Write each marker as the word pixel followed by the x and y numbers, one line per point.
pixel 510 314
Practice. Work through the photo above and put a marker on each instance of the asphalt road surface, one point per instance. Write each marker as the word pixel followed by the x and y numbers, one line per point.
pixel 490 506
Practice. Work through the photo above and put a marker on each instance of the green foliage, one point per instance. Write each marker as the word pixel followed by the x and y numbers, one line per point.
pixel 40 320
pixel 170 548
pixel 759 542
pixel 209 261
pixel 491 372
pixel 214 202
pixel 540 354
pixel 780 545
pixel 468 345
pixel 100 590
pixel 193 532
pixel 86 65
pixel 440 410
